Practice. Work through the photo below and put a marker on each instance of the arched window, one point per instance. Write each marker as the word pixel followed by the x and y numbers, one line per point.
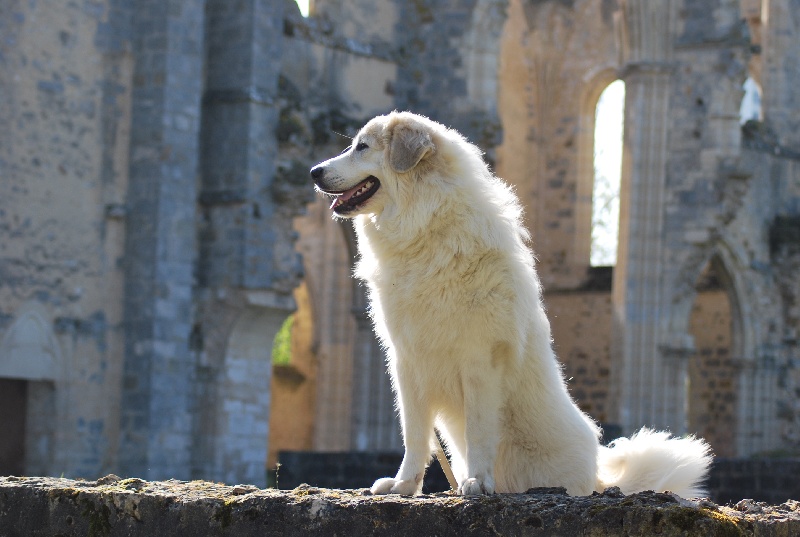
pixel 608 131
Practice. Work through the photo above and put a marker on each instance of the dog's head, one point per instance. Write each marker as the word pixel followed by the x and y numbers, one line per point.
pixel 378 166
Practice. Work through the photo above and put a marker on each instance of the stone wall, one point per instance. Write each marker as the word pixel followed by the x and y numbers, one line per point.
pixel 785 247
pixel 770 480
pixel 148 251
pixel 65 75
pixel 581 324
pixel 293 388
pixel 132 507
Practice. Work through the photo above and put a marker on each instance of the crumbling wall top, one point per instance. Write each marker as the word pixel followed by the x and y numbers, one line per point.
pixel 132 507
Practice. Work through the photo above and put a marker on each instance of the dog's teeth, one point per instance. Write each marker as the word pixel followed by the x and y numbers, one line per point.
pixel 364 188
pixel 338 200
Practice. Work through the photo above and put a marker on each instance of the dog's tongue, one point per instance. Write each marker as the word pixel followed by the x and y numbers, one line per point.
pixel 344 196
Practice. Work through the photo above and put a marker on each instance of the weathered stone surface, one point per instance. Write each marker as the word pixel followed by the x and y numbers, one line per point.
pixel 132 507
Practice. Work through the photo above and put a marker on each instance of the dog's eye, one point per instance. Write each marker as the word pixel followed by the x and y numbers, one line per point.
pixel 361 146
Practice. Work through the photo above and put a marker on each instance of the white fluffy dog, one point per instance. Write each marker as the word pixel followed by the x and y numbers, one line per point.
pixel 457 304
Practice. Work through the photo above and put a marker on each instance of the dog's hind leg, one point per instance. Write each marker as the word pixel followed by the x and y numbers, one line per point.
pixel 482 401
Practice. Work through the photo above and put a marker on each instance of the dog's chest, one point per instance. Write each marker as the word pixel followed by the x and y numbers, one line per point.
pixel 427 307
pixel 409 291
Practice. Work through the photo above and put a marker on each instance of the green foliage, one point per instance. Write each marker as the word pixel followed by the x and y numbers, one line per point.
pixel 282 345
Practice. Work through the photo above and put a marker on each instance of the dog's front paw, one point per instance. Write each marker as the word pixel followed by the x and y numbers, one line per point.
pixel 390 485
pixel 383 485
pixel 476 487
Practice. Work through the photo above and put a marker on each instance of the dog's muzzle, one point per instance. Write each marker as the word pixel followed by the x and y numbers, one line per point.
pixel 346 201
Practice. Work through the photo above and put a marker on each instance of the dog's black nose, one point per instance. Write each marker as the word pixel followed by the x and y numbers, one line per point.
pixel 316 172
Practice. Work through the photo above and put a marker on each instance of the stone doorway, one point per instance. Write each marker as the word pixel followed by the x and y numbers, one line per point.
pixel 13 409
pixel 712 375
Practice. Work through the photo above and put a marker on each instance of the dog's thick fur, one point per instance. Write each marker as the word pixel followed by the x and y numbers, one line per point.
pixel 457 304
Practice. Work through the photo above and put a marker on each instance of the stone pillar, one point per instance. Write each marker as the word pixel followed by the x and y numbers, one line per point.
pixel 239 143
pixel 247 267
pixel 160 251
pixel 646 391
pixel 637 290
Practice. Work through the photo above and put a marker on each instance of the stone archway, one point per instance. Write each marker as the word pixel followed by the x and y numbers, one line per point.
pixel 29 349
pixel 243 398
pixel 13 406
pixel 712 384
pixel 294 383
pixel 30 362
pixel 751 367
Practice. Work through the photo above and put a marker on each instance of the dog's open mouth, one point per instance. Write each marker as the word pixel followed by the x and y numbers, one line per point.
pixel 349 200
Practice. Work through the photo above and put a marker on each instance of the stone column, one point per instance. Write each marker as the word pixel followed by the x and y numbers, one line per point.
pixel 239 144
pixel 160 251
pixel 638 282
pixel 647 393
pixel 247 268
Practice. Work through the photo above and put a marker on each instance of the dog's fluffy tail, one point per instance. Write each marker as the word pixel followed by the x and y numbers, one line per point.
pixel 654 460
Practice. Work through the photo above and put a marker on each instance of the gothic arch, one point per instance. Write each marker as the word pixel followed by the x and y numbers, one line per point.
pixel 745 327
pixel 757 376
pixel 29 349
pixel 711 380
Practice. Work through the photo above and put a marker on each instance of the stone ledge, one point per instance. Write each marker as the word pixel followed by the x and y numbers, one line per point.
pixel 112 506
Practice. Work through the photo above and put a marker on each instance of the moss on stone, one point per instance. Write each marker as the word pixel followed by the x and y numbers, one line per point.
pixel 224 514
pixel 98 517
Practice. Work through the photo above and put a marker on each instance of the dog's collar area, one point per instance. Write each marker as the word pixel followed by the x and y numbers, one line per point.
pixel 349 200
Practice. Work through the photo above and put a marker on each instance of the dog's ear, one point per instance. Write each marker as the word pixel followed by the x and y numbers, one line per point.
pixel 409 145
